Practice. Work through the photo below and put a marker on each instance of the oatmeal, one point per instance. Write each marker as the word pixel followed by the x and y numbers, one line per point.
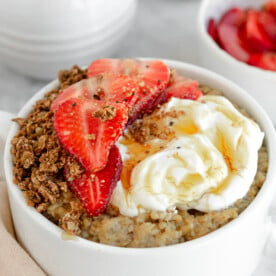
pixel 43 168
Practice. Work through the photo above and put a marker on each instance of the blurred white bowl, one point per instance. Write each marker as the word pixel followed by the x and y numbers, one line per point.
pixel 261 84
pixel 52 51
pixel 55 20
pixel 43 58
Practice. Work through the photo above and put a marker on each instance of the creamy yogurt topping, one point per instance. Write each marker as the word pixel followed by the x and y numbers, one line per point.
pixel 207 163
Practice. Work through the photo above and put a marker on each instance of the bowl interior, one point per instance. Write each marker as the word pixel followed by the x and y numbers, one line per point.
pixel 206 77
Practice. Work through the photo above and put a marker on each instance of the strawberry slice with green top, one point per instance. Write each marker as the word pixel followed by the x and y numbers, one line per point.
pixel 151 76
pixel 116 88
pixel 94 189
pixel 183 88
pixel 89 128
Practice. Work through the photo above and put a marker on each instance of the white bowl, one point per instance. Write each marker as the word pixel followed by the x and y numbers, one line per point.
pixel 55 20
pixel 231 250
pixel 53 51
pixel 44 62
pixel 44 43
pixel 259 83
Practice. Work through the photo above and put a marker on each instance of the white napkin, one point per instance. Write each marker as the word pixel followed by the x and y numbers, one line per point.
pixel 15 261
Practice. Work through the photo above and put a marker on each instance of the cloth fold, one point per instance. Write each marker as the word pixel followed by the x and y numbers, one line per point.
pixel 14 260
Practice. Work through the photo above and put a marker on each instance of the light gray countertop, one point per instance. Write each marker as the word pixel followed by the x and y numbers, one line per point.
pixel 162 29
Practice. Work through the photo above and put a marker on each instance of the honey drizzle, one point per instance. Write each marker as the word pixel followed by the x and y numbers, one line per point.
pixel 137 153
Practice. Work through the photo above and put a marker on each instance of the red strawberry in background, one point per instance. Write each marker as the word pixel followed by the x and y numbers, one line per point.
pixel 89 128
pixel 268 23
pixel 248 35
pixel 270 6
pixel 255 35
pixel 151 76
pixel 94 189
pixel 108 87
pixel 212 29
pixel 229 34
pixel 265 61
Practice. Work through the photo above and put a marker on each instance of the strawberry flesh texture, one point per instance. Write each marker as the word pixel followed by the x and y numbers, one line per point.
pixel 255 35
pixel 270 6
pixel 151 76
pixel 154 73
pixel 94 189
pixel 108 87
pixel 85 136
pixel 183 88
pixel 268 24
pixel 266 61
pixel 212 29
pixel 229 34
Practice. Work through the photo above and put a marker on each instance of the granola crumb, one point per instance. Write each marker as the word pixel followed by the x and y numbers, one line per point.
pixel 106 113
pixel 69 77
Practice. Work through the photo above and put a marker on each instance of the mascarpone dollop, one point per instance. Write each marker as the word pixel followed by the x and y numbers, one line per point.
pixel 207 164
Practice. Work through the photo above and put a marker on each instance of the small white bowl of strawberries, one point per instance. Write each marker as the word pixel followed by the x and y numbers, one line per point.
pixel 238 40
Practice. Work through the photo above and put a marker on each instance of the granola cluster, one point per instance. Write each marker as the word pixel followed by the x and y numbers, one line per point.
pixel 39 158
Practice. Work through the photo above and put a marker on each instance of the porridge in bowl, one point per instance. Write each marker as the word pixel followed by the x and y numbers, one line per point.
pixel 179 162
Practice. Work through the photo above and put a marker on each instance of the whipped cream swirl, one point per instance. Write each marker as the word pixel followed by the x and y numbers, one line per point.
pixel 207 164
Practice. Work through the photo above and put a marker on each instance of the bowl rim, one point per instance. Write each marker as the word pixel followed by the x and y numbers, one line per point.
pixel 202 30
pixel 265 192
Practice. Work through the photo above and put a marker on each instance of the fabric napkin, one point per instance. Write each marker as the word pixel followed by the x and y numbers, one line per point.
pixel 14 260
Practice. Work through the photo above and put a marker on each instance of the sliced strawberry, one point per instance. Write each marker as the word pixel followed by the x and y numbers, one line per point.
pixel 268 24
pixel 229 34
pixel 270 6
pixel 76 90
pixel 89 128
pixel 265 61
pixel 212 29
pixel 109 87
pixel 151 76
pixel 255 35
pixel 184 88
pixel 94 189
pixel 153 73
